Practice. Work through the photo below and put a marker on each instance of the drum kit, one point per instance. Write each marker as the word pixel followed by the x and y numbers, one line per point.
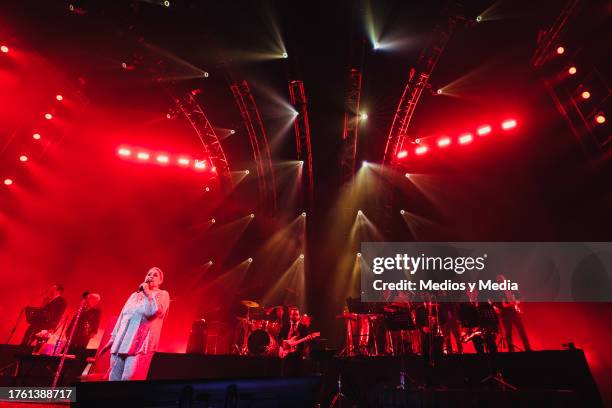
pixel 260 328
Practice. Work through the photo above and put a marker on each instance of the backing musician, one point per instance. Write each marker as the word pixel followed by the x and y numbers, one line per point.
pixel 294 329
pixel 510 314
pixel 88 324
pixel 54 305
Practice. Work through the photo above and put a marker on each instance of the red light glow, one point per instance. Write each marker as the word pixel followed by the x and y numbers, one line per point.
pixel 466 138
pixel 125 152
pixel 8 182
pixel 23 158
pixel 36 136
pixel 572 70
pixel 443 142
pixel 59 97
pixel 143 156
pixel 402 154
pixel 508 124
pixel 183 161
pixel 200 164
pixel 585 95
pixel 4 49
pixel 560 50
pixel 601 119
pixel 48 116
pixel 483 130
pixel 162 158
pixel 420 150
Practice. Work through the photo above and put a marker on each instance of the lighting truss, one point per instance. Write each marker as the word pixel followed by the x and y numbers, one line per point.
pixel 259 142
pixel 302 132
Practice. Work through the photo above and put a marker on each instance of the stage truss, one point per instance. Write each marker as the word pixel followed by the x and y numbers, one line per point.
pixel 351 125
pixel 301 126
pixel 259 143
pixel 194 113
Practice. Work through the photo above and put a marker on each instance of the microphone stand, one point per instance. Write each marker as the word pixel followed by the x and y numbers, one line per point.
pixel 15 326
pixel 67 346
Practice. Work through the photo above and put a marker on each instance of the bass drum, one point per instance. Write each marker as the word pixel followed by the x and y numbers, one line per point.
pixel 261 343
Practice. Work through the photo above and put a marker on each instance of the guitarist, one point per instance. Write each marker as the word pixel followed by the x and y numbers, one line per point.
pixel 510 314
pixel 294 329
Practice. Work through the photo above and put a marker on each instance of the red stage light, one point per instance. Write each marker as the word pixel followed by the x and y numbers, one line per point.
pixel 572 70
pixel 443 142
pixel 200 164
pixel 4 49
pixel 8 181
pixel 162 158
pixel 59 97
pixel 402 154
pixel 466 138
pixel 36 136
pixel 600 119
pixel 508 124
pixel 183 161
pixel 483 130
pixel 143 156
pixel 585 95
pixel 48 116
pixel 560 50
pixel 214 169
pixel 124 152
pixel 23 158
pixel 420 150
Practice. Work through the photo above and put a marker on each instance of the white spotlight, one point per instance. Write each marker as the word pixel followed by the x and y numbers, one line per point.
pixel 302 256
pixel 358 254
pixel 250 260
pixel 213 221
pixel 252 215
pixel 359 212
pixel 402 212
pixel 303 214
pixel 363 116
pixel 285 55
pixel 246 172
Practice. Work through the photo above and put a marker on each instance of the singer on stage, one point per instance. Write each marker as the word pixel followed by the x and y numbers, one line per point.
pixel 136 333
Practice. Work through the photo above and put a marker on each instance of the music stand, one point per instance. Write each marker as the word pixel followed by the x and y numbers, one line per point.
pixel 37 316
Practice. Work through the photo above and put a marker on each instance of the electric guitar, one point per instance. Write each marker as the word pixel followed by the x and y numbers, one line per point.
pixel 290 345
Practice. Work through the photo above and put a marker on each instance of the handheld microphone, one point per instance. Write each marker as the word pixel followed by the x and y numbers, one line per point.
pixel 140 288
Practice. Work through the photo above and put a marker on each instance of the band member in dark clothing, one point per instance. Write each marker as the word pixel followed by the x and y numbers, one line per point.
pixel 87 327
pixel 510 314
pixel 54 306
pixel 479 323
pixel 294 329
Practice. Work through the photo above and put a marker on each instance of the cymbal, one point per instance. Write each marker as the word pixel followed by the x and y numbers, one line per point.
pixel 249 303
